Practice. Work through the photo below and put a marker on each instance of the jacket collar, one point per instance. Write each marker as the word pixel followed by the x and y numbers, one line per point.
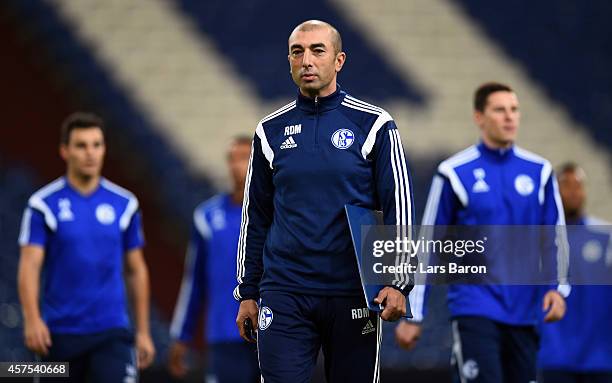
pixel 500 154
pixel 321 104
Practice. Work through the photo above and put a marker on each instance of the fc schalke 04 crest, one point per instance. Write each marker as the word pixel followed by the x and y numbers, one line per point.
pixel 343 138
pixel 105 214
pixel 524 184
pixel 265 318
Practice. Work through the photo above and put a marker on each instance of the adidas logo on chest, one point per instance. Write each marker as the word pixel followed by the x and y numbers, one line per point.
pixel 289 143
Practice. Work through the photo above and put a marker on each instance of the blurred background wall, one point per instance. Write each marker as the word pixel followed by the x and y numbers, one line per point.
pixel 175 80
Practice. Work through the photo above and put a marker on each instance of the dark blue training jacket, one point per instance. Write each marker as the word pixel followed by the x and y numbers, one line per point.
pixel 309 159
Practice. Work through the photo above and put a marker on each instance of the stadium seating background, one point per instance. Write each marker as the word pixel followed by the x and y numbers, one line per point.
pixel 50 67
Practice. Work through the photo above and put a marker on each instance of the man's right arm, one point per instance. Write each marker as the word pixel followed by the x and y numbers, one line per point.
pixel 192 291
pixel 257 211
pixel 32 239
pixel 191 296
pixel 36 333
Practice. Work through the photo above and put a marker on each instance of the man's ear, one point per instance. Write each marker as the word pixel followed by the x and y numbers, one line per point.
pixel 477 116
pixel 340 60
pixel 63 151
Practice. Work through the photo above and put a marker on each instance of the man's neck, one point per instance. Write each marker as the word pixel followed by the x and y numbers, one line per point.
pixel 495 145
pixel 83 184
pixel 320 92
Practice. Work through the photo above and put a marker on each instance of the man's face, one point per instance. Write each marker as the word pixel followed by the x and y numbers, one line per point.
pixel 84 153
pixel 314 63
pixel 573 194
pixel 238 162
pixel 500 119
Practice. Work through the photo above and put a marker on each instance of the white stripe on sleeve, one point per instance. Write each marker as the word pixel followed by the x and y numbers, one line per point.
pixel 240 257
pixel 26 222
pixel 180 312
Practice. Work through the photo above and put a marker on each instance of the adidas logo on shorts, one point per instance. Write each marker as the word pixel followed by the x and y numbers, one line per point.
pixel 289 143
pixel 368 328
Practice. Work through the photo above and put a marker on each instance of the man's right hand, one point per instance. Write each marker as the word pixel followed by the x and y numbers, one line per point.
pixel 407 334
pixel 37 336
pixel 248 310
pixel 176 359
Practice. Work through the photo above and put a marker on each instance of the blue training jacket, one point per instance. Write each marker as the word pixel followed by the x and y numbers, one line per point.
pixel 208 277
pixel 309 159
pixel 482 186
pixel 582 340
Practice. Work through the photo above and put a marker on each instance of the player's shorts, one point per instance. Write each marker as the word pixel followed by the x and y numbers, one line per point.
pixel 486 351
pixel 108 356
pixel 293 327
pixel 232 362
pixel 559 376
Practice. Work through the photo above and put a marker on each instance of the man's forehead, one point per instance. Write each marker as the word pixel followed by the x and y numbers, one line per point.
pixel 502 97
pixel 239 146
pixel 572 176
pixel 320 35
pixel 93 132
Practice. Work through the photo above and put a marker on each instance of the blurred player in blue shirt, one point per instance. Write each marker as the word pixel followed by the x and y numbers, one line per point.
pixel 80 236
pixel 209 279
pixel 578 349
pixel 493 183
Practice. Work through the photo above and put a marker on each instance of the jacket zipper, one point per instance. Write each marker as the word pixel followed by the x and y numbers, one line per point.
pixel 316 102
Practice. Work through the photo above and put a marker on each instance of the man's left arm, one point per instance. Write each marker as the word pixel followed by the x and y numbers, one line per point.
pixel 137 282
pixel 553 216
pixel 394 190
